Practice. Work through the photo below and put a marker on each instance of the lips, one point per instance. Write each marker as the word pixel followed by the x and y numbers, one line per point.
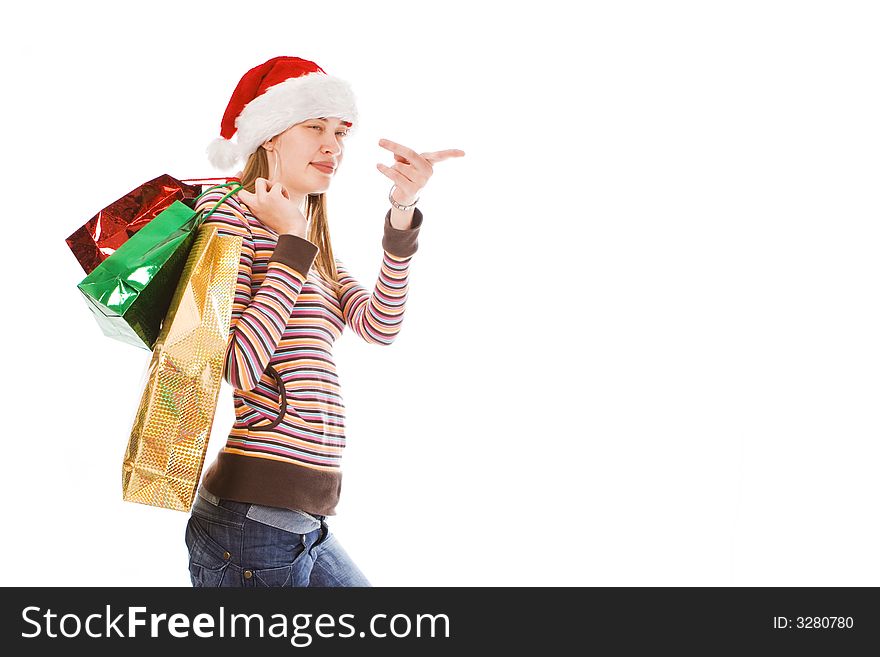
pixel 326 168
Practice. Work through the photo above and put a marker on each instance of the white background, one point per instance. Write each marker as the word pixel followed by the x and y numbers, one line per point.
pixel 641 343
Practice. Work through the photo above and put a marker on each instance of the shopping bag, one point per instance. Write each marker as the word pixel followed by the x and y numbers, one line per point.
pixel 100 236
pixel 129 292
pixel 163 461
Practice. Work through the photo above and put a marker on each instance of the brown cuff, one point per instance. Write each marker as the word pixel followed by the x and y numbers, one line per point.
pixel 295 252
pixel 402 243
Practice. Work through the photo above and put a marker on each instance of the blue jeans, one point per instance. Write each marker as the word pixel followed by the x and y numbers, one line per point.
pixel 236 544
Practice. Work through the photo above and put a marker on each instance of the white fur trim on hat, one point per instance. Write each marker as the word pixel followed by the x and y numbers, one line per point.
pixel 278 108
pixel 223 153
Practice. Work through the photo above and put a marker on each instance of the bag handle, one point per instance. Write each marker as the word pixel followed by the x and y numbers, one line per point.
pixel 208 180
pixel 236 186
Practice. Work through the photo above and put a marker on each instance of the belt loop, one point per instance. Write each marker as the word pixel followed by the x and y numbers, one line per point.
pixel 209 497
pixel 325 530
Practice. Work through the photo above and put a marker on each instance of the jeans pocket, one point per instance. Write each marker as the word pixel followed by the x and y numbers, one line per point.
pixel 273 556
pixel 208 559
pixel 274 577
pixel 204 577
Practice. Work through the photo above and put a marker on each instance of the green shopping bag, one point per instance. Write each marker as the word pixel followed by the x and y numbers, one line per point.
pixel 130 292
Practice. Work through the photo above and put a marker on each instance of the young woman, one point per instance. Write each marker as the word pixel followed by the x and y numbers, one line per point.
pixel 259 518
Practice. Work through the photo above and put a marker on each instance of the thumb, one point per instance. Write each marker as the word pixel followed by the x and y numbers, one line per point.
pixel 280 189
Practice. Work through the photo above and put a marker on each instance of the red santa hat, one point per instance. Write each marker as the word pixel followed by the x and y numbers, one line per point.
pixel 272 97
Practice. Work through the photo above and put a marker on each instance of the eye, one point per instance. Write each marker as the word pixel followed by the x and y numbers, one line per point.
pixel 344 133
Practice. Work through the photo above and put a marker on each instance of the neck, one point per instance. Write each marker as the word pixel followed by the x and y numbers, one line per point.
pixel 300 200
pixel 296 197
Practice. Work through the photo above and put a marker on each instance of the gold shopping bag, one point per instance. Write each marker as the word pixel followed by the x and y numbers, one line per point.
pixel 166 450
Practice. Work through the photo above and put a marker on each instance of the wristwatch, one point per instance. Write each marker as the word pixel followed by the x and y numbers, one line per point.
pixel 398 205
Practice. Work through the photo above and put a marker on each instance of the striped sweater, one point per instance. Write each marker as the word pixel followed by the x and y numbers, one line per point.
pixel 286 443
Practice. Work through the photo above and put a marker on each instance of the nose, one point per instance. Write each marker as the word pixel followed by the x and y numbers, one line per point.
pixel 330 144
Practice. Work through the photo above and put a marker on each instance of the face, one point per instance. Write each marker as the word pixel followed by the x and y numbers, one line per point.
pixel 292 154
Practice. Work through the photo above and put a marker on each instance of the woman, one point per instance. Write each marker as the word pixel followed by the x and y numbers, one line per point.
pixel 259 518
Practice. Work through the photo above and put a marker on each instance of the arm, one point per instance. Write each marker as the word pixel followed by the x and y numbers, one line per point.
pixel 377 317
pixel 258 319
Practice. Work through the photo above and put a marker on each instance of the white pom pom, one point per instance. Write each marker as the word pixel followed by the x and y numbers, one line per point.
pixel 222 153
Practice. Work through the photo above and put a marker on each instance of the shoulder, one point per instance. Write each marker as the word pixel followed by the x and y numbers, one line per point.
pixel 229 214
pixel 231 203
pixel 345 276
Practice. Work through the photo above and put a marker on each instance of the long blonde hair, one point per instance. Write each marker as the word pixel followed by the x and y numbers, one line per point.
pixel 318 234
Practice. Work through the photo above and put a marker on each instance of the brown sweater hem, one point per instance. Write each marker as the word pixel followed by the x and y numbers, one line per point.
pixel 267 482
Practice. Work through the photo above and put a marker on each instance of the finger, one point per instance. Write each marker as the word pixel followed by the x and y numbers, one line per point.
pixel 421 168
pixel 279 190
pixel 400 149
pixel 407 171
pixel 407 155
pixel 261 186
pixel 439 156
pixel 399 179
pixel 419 162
